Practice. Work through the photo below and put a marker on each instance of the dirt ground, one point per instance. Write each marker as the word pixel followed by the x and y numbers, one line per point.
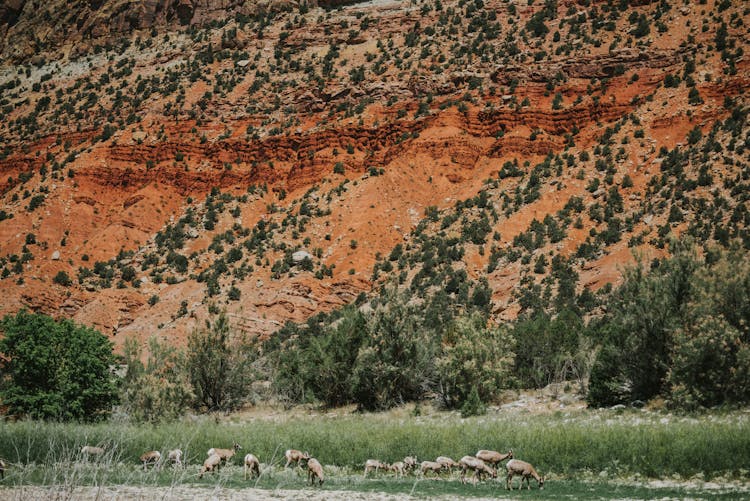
pixel 186 493
pixel 112 493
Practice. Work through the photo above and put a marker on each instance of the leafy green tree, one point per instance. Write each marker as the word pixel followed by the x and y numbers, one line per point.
pixel 474 358
pixel 711 365
pixel 318 364
pixel 394 364
pixel 608 385
pixel 711 361
pixel 680 331
pixel 547 348
pixel 333 356
pixel 286 350
pixel 56 370
pixel 158 390
pixel 643 314
pixel 473 406
pixel 219 362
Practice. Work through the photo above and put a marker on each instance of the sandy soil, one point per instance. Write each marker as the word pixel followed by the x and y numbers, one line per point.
pixel 188 493
pixel 192 493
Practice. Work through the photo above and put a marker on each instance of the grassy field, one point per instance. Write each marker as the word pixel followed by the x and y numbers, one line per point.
pixel 584 455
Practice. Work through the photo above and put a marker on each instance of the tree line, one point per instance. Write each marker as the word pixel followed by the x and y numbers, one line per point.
pixel 677 328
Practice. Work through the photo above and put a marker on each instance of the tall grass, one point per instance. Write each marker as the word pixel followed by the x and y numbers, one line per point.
pixel 651 445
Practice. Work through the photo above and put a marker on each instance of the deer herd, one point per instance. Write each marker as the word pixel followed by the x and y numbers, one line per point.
pixel 483 464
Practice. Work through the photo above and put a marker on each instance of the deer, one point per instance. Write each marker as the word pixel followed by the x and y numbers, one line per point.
pixel 518 467
pixel 251 464
pixel 225 454
pixel 314 470
pixel 175 457
pixel 150 457
pixel 493 457
pixel 210 464
pixel 374 464
pixel 430 466
pixel 477 465
pixel 295 456
pixel 447 463
pixel 410 463
pixel 397 468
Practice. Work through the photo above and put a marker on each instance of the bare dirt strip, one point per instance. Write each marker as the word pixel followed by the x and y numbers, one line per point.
pixel 186 493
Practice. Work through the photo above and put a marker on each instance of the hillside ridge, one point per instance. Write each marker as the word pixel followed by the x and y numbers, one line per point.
pixel 162 164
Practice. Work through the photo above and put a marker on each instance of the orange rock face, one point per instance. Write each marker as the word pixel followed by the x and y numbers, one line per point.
pixel 335 133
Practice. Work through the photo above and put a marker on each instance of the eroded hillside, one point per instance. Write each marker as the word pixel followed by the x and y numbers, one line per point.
pixel 281 160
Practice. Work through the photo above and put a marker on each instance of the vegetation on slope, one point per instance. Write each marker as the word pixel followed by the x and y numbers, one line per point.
pixel 676 330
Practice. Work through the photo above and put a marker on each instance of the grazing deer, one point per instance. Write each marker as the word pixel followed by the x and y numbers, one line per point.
pixel 210 464
pixel 314 470
pixel 251 464
pixel 477 465
pixel 374 465
pixel 295 456
pixel 518 467
pixel 175 457
pixel 150 457
pixel 493 457
pixel 225 454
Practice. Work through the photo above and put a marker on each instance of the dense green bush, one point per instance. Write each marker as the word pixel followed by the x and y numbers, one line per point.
pixel 317 364
pixel 711 363
pixel 395 353
pixel 473 405
pixel 643 314
pixel 219 364
pixel 547 348
pixel 608 385
pixel 474 359
pixel 62 278
pixel 679 331
pixel 158 390
pixel 395 361
pixel 55 370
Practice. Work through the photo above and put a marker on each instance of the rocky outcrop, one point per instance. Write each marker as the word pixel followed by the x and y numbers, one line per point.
pixel 26 30
pixel 588 66
pixel 10 10
pixel 124 167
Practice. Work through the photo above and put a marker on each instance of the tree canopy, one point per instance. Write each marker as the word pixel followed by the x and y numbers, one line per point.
pixel 55 369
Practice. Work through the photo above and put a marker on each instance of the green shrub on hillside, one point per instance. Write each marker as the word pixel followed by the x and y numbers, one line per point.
pixel 711 363
pixel 473 406
pixel 318 365
pixel 547 348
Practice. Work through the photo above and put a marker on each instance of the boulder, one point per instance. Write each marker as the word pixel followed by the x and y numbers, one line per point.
pixel 300 256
